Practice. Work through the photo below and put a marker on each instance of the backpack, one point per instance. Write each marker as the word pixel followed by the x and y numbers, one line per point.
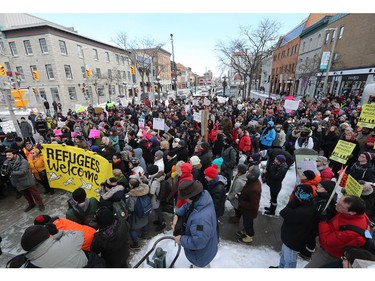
pixel 369 235
pixel 84 217
pixel 237 155
pixel 119 210
pixel 143 206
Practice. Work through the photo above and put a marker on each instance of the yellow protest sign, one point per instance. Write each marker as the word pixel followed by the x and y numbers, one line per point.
pixel 367 117
pixel 342 151
pixel 352 187
pixel 69 167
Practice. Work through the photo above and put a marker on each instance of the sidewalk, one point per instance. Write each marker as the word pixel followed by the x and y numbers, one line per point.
pixel 14 221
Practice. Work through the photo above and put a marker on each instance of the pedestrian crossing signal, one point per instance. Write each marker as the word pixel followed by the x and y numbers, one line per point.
pixel 36 75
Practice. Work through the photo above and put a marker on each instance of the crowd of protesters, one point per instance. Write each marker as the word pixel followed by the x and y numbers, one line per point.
pixel 205 171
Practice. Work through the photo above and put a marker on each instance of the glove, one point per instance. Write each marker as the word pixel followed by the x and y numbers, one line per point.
pixel 322 216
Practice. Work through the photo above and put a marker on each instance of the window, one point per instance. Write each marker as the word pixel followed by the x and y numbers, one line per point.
pixel 335 57
pixel 341 32
pixel 123 60
pixel 129 74
pixel 98 73
pixel 95 54
pixel 13 49
pixel 288 52
pixel 124 75
pixel 43 45
pixel 28 49
pixel 83 69
pixel 2 46
pixel 72 93
pixel 109 73
pixel 101 91
pixel 333 35
pixel 55 94
pixel 117 59
pixel 327 38
pixel 63 47
pixel 292 50
pixel 303 46
pixel 107 56
pixel 80 51
pixel 49 71
pixel 19 69
pixel 118 74
pixel 68 72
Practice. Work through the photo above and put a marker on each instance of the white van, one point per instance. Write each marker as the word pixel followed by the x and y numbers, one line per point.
pixel 368 95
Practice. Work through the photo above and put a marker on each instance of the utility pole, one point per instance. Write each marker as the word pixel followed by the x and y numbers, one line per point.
pixel 6 90
pixel 325 91
pixel 174 66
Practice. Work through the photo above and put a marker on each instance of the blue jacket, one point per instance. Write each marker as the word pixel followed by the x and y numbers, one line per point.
pixel 200 239
pixel 268 135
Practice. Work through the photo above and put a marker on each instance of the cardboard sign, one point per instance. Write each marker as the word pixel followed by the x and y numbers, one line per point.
pixel 70 167
pixel 57 132
pixel 141 123
pixel 8 126
pixel 342 151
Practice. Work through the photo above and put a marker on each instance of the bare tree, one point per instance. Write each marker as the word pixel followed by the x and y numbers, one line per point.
pixel 142 53
pixel 246 53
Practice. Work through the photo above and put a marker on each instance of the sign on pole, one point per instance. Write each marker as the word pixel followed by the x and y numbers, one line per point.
pixel 158 123
pixel 367 117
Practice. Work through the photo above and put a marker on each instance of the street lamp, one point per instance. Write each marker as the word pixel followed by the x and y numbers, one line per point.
pixel 330 57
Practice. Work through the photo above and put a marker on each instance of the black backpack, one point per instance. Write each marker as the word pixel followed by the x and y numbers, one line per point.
pixel 237 155
pixel 367 233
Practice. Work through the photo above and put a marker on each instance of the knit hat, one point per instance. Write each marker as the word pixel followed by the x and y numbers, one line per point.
pixel 194 160
pixel 368 156
pixel 182 143
pixel 281 158
pixel 33 236
pixel 242 168
pixel 322 159
pixel 367 188
pixel 104 217
pixel 42 220
pixel 328 185
pixel 218 162
pixel 255 157
pixel 186 168
pixel 189 188
pixel 111 182
pixel 304 192
pixel 305 132
pixel 211 171
pixel 152 170
pixel 79 195
pixel 309 174
pixel 159 154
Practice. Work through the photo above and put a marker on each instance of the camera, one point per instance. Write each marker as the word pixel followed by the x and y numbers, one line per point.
pixel 5 170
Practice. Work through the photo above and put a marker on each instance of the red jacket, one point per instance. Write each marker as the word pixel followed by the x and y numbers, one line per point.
pixel 326 174
pixel 244 144
pixel 333 240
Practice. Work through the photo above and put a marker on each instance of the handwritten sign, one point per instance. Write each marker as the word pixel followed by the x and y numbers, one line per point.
pixel 352 187
pixel 158 123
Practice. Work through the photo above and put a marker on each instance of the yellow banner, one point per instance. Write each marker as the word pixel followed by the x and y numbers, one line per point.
pixel 352 187
pixel 69 167
pixel 342 151
pixel 367 117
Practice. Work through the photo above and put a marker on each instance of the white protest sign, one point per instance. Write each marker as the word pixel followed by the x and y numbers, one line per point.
pixel 291 105
pixel 198 116
pixel 141 123
pixel 8 126
pixel 158 124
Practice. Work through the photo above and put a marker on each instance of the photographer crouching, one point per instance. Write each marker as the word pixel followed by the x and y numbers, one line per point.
pixel 17 168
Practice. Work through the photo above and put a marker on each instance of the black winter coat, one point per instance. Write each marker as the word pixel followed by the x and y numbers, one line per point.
pixel 112 244
pixel 216 188
pixel 297 227
pixel 249 198
pixel 276 175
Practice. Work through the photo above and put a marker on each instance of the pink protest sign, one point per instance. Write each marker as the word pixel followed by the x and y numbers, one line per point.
pixel 94 134
pixel 57 132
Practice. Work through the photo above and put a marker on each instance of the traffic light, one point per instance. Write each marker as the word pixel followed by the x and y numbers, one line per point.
pixel 3 71
pixel 132 69
pixel 88 72
pixel 36 75
pixel 35 90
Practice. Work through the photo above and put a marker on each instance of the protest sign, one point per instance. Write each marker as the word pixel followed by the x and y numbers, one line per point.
pixel 70 167
pixel 158 123
pixel 342 151
pixel 94 134
pixel 367 117
pixel 352 187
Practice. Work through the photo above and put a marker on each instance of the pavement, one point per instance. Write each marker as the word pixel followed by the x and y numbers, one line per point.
pixel 14 221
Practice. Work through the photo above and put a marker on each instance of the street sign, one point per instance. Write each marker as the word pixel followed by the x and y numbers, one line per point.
pixel 324 61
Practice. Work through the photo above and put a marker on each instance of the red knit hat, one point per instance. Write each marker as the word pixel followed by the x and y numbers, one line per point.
pixel 211 171
pixel 186 168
